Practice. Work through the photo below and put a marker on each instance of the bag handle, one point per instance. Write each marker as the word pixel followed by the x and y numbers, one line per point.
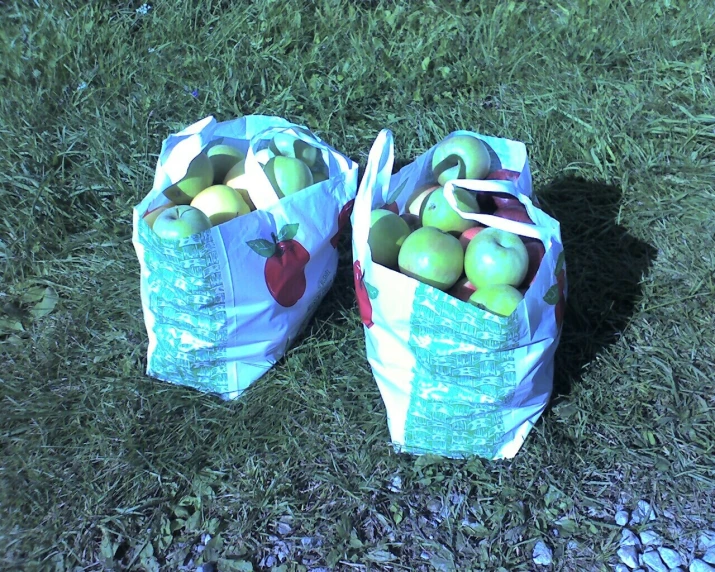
pixel 531 230
pixel 375 180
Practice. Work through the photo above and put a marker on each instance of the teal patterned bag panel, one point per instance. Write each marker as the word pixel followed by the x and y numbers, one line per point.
pixel 465 372
pixel 185 293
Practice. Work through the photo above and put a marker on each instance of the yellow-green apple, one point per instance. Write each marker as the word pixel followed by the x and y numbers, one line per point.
pixel 469 234
pixel 460 157
pixel 291 146
pixel 150 216
pixel 514 212
pixel 500 299
pixel 236 179
pixel 438 213
pixel 462 289
pixel 387 233
pixel 223 157
pixel 199 175
pixel 287 175
pixel 536 251
pixel 220 203
pixel 432 257
pixel 180 221
pixel 495 256
pixel 418 196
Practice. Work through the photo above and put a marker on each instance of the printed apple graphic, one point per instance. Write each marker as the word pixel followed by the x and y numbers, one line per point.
pixel 466 237
pixel 199 175
pixel 343 218
pixel 286 259
pixel 500 299
pixel 536 251
pixel 287 175
pixel 462 289
pixel 180 221
pixel 432 257
pixel 514 212
pixel 437 212
pixel 387 234
pixel 418 197
pixel 364 292
pixel 460 157
pixel 495 256
pixel 150 216
pixel 236 178
pixel 221 203
pixel 223 158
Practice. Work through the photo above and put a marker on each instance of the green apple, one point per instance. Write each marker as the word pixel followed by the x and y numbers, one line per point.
pixel 150 216
pixel 223 157
pixel 180 221
pixel 495 256
pixel 500 299
pixel 432 256
pixel 460 157
pixel 290 146
pixel 438 213
pixel 418 197
pixel 236 179
pixel 288 175
pixel 388 232
pixel 199 175
pixel 220 203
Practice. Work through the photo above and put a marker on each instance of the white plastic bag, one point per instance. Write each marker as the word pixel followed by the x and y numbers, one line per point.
pixel 222 306
pixel 457 380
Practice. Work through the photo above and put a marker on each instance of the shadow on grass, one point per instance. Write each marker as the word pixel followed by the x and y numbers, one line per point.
pixel 604 268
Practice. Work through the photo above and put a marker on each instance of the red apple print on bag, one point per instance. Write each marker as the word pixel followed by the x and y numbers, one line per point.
pixel 343 219
pixel 285 265
pixel 556 295
pixel 363 292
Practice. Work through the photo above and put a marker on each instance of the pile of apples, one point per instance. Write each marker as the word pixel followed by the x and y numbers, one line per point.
pixel 215 188
pixel 431 242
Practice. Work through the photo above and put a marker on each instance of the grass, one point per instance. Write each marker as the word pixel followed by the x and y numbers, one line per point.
pixel 105 469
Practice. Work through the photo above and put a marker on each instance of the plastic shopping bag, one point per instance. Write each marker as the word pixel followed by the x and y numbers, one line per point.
pixel 457 380
pixel 222 306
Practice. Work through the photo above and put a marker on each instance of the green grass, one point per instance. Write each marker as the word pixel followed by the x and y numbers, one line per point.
pixel 105 469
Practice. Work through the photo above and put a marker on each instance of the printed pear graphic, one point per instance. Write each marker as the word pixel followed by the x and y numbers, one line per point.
pixel 286 259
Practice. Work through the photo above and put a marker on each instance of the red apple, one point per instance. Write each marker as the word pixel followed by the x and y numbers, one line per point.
pixel 503 175
pixel 536 252
pixel 413 221
pixel 515 212
pixel 469 234
pixel 462 289
pixel 505 200
pixel 432 257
